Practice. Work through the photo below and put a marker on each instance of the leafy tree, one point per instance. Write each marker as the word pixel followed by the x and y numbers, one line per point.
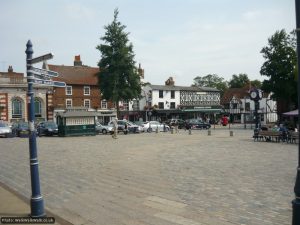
pixel 118 77
pixel 211 80
pixel 239 81
pixel 256 83
pixel 280 67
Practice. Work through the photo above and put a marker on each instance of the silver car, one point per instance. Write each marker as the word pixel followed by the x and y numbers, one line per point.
pixel 150 126
pixel 5 130
pixel 103 129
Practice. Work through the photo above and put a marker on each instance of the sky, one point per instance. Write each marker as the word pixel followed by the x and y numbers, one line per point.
pixel 178 38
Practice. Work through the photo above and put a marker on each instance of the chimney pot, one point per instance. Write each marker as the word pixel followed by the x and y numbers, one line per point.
pixel 77 61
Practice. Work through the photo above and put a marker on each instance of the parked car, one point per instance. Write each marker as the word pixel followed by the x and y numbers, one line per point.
pixel 104 129
pixel 47 128
pixel 5 130
pixel 140 124
pixel 150 126
pixel 122 124
pixel 20 129
pixel 181 123
pixel 198 124
pixel 134 128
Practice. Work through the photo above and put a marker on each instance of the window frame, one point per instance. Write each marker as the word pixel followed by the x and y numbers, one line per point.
pixel 69 105
pixel 38 114
pixel 20 106
pixel 89 103
pixel 71 90
pixel 103 104
pixel 172 104
pixel 161 104
pixel 86 88
pixel 160 93
pixel 172 94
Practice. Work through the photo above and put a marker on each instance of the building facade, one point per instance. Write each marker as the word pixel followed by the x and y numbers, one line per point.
pixel 240 108
pixel 14 101
pixel 81 92
pixel 162 102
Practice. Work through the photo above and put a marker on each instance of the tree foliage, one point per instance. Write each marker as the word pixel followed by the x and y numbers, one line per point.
pixel 239 81
pixel 211 80
pixel 118 77
pixel 280 67
pixel 256 83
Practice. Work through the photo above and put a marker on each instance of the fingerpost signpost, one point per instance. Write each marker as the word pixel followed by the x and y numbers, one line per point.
pixel 40 77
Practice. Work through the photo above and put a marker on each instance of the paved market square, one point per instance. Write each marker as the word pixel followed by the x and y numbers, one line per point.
pixel 159 178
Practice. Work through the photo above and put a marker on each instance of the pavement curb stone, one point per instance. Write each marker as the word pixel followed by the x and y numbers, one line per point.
pixel 23 199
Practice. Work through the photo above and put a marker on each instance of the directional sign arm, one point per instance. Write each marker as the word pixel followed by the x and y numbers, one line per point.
pixel 39 71
pixel 49 82
pixel 40 58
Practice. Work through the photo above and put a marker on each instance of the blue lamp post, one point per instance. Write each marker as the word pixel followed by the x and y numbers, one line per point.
pixel 296 201
pixel 36 202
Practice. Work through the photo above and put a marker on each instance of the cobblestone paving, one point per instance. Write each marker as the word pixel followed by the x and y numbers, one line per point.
pixel 159 179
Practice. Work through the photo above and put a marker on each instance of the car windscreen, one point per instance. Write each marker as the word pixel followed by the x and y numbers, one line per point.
pixel 51 125
pixel 23 125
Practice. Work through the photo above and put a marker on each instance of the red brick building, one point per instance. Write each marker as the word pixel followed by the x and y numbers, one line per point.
pixel 82 90
pixel 82 86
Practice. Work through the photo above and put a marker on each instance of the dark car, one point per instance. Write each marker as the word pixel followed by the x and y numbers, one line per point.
pixel 197 124
pixel 48 128
pixel 181 123
pixel 20 129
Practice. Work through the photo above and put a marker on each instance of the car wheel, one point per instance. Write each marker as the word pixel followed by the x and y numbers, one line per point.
pixel 149 130
pixel 104 131
pixel 167 129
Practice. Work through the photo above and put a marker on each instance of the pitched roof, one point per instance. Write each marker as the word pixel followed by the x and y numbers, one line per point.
pixel 82 75
pixel 239 93
pixel 181 88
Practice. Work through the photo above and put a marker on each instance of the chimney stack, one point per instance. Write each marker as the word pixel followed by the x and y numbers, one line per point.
pixel 10 69
pixel 77 61
pixel 170 82
pixel 141 71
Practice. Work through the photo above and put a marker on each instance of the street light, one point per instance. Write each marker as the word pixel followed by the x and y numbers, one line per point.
pixel 296 201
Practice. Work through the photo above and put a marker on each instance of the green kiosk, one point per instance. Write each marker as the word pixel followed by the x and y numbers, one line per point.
pixel 76 123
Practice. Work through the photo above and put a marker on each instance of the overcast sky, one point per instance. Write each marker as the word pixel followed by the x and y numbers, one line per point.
pixel 179 38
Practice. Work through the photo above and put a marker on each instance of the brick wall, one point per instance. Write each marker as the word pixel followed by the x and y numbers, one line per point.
pixel 59 96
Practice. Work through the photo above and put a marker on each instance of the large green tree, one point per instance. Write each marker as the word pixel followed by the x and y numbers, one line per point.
pixel 211 80
pixel 280 67
pixel 239 81
pixel 118 77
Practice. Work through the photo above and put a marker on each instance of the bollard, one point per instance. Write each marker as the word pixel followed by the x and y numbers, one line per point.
pixel 172 130
pixel 156 130
pixel 209 132
pixel 231 133
pixel 190 131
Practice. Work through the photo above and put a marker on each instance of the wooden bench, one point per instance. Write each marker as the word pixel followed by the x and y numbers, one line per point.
pixel 268 135
pixel 293 137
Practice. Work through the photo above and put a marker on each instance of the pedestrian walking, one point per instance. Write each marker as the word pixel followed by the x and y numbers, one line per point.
pixel 115 126
pixel 176 126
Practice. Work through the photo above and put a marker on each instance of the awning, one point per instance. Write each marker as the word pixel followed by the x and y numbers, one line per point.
pixel 291 113
pixel 203 110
